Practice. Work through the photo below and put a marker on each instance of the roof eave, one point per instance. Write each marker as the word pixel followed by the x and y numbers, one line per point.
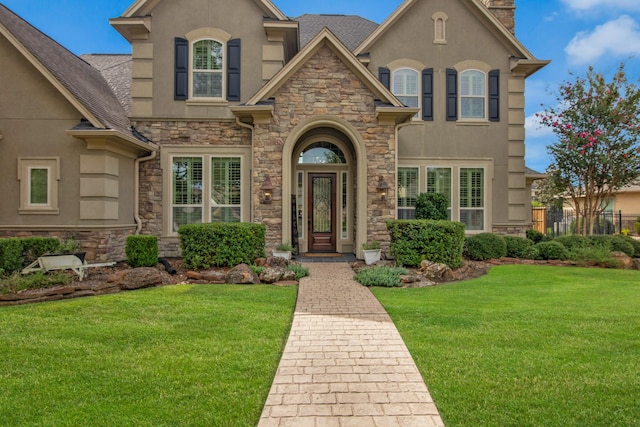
pixel 114 141
pixel 136 28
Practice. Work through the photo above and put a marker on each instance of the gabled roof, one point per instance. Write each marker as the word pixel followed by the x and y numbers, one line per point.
pixel 80 83
pixel 116 70
pixel 144 7
pixel 522 57
pixel 325 38
pixel 352 30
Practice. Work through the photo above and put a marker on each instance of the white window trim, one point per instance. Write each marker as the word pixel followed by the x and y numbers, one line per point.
pixel 223 73
pixel 418 115
pixel 419 169
pixel 52 165
pixel 485 201
pixel 455 164
pixel 220 36
pixel 484 97
pixel 172 151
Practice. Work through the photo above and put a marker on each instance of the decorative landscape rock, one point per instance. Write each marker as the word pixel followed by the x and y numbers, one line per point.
pixel 625 261
pixel 139 278
pixel 242 274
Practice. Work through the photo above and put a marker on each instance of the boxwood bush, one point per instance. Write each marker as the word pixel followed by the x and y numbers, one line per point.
pixel 142 251
pixel 10 255
pixel 221 244
pixel 432 206
pixel 485 246
pixel 552 250
pixel 413 241
pixel 517 246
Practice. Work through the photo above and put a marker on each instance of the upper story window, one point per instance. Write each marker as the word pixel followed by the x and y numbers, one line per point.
pixel 406 86
pixel 472 94
pixel 207 69
pixel 207 66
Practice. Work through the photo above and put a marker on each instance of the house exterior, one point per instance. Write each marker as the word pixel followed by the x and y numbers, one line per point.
pixel 321 127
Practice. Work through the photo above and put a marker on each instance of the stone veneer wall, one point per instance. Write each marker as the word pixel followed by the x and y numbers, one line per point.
pixel 324 86
pixel 511 230
pixel 504 10
pixel 208 133
pixel 99 245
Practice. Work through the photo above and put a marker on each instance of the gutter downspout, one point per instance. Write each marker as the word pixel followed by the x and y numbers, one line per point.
pixel 253 159
pixel 136 190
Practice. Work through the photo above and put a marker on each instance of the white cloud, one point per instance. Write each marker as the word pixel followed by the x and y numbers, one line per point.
pixel 535 129
pixel 619 38
pixel 591 4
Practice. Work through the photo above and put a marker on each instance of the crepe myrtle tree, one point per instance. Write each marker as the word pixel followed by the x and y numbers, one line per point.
pixel 597 123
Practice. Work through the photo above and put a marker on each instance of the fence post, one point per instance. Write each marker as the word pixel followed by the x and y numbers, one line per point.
pixel 620 221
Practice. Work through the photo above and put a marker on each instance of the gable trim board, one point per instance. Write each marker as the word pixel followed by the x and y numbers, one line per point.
pixel 144 7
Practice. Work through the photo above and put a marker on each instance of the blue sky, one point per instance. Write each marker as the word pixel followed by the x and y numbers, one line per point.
pixel 572 33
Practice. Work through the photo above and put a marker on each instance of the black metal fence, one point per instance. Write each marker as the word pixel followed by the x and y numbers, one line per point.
pixel 559 222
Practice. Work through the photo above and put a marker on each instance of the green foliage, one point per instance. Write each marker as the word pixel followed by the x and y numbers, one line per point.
pixel 485 246
pixel 622 244
pixel 285 247
pixel 636 226
pixel 34 247
pixel 221 244
pixel 413 241
pixel 257 269
pixel 38 280
pixel 598 255
pixel 600 226
pixel 432 206
pixel 530 253
pixel 516 246
pixel 388 277
pixel 636 247
pixel 572 241
pixel 552 250
pixel 10 255
pixel 371 246
pixel 301 271
pixel 142 250
pixel 536 237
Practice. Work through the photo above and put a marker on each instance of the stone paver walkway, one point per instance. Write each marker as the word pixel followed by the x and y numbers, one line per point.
pixel 344 363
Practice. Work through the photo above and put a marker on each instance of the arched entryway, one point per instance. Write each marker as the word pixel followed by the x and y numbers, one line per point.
pixel 324 161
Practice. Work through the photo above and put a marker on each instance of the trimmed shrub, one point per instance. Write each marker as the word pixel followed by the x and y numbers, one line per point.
pixel 592 255
pixel 221 244
pixel 535 236
pixel 552 250
pixel 142 251
pixel 636 246
pixel 432 206
pixel 574 241
pixel 622 244
pixel 516 246
pixel 530 253
pixel 485 246
pixel 388 277
pixel 10 255
pixel 602 241
pixel 636 225
pixel 413 241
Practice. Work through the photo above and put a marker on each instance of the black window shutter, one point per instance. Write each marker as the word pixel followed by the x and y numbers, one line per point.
pixel 181 69
pixel 494 95
pixel 233 70
pixel 427 94
pixel 452 94
pixel 384 74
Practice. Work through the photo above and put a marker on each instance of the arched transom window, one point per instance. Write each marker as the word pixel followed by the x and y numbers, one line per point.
pixel 322 153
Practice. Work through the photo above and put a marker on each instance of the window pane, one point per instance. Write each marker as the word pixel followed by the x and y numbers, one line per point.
pixel 405 82
pixel 207 85
pixel 472 108
pixel 38 186
pixel 439 181
pixel 207 55
pixel 407 192
pixel 409 101
pixel 226 196
pixel 182 216
pixel 187 180
pixel 472 198
pixel 322 153
pixel 472 83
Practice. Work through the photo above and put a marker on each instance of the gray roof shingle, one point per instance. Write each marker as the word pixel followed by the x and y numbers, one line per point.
pixel 116 70
pixel 84 82
pixel 351 30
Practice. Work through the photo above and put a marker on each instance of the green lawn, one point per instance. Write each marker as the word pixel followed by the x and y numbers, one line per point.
pixel 179 355
pixel 527 346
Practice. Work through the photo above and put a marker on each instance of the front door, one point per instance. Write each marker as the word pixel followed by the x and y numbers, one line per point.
pixel 322 212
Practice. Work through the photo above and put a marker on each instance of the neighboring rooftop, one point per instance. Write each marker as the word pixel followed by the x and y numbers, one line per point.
pixel 351 30
pixel 79 79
